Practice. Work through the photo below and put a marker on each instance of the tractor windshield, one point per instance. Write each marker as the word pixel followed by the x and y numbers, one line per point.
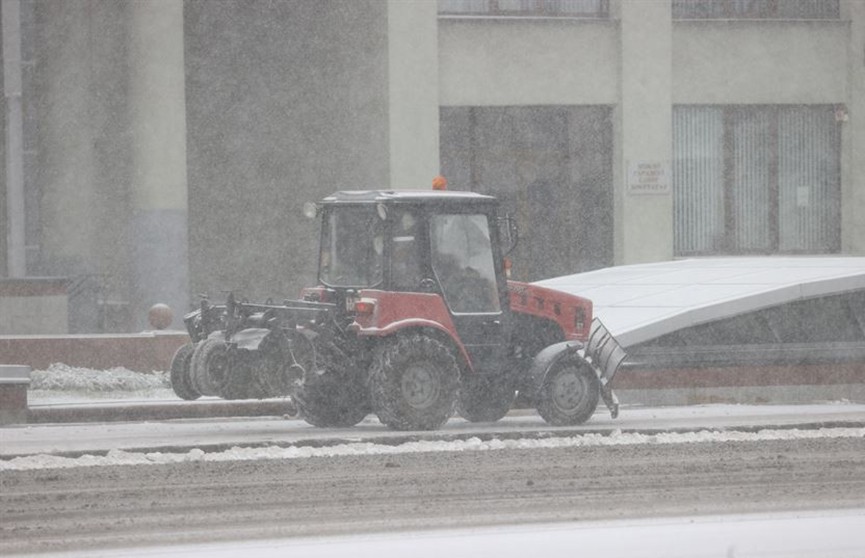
pixel 352 244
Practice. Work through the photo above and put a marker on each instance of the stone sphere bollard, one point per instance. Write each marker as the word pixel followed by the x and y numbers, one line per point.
pixel 160 316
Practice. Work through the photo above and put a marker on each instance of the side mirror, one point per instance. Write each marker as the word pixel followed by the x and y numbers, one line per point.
pixel 310 210
pixel 509 234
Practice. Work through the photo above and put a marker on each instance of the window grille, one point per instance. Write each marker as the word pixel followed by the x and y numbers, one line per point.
pixel 536 8
pixel 756 180
pixel 756 9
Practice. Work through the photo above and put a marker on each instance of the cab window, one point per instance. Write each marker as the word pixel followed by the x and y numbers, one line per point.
pixel 463 262
pixel 406 271
pixel 352 247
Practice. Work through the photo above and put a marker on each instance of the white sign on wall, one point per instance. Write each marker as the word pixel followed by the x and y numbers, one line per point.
pixel 649 177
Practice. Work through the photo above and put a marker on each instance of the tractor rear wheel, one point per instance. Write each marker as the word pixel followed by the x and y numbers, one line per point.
pixel 569 393
pixel 485 399
pixel 181 382
pixel 414 383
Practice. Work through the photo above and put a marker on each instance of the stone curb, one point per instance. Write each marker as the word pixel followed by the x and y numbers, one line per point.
pixel 118 412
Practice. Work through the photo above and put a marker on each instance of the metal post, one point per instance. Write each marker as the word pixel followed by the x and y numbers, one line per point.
pixel 17 262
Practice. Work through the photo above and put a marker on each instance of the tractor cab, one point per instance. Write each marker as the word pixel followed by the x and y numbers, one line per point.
pixel 439 243
pixel 410 241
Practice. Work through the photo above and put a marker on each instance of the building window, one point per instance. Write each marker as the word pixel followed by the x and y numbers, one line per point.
pixel 756 180
pixel 756 9
pixel 537 8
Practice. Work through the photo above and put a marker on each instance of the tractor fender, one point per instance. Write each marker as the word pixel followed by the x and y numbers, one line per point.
pixel 401 326
pixel 550 355
pixel 250 338
pixel 218 334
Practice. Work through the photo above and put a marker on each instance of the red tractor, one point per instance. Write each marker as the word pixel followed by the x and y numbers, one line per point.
pixel 413 319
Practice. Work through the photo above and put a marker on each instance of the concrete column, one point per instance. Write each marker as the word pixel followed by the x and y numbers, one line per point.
pixel 853 135
pixel 158 190
pixel 643 134
pixel 413 92
pixel 11 15
pixel 66 162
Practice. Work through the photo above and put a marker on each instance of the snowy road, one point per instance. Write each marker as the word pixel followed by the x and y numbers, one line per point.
pixel 216 434
pixel 218 482
pixel 202 501
pixel 824 534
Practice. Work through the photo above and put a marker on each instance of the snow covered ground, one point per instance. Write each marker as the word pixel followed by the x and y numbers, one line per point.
pixel 67 384
pixel 824 534
pixel 616 438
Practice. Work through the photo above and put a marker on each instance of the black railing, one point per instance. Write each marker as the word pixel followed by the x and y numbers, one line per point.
pixel 523 8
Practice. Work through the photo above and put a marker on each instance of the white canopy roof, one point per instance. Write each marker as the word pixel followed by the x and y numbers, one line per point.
pixel 638 303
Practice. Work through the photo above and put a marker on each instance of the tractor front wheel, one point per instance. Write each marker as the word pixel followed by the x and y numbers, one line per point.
pixel 414 383
pixel 181 382
pixel 485 399
pixel 569 393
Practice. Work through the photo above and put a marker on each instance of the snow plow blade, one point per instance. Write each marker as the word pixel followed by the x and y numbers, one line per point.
pixel 606 355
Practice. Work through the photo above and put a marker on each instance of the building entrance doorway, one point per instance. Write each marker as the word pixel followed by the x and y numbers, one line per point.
pixel 552 167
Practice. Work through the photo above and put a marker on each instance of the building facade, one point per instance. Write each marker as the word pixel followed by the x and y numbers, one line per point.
pixel 167 147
